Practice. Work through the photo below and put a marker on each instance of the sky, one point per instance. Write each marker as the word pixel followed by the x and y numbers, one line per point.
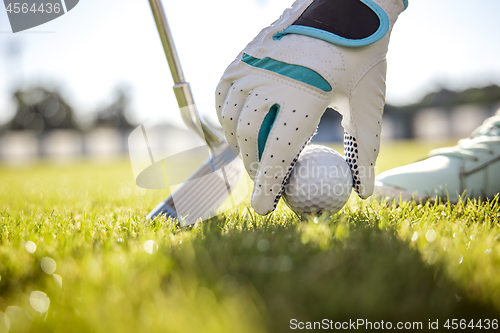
pixel 101 45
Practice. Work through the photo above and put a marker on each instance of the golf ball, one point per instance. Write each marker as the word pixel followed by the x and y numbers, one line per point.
pixel 321 182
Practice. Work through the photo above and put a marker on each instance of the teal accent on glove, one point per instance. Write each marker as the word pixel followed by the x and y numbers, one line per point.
pixel 296 72
pixel 342 41
pixel 266 127
pixel 405 2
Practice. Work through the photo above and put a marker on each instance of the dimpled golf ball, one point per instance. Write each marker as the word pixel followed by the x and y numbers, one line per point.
pixel 320 182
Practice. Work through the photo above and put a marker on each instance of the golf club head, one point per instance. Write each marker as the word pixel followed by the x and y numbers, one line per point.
pixel 200 197
pixel 201 194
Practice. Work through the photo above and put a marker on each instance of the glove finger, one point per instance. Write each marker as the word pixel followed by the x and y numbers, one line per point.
pixel 221 93
pixel 293 127
pixel 362 129
pixel 231 110
pixel 254 112
pixel 232 73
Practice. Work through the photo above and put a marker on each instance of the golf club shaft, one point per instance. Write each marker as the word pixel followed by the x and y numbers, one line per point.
pixel 182 89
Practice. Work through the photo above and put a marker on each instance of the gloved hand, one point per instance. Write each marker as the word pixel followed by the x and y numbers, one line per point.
pixel 319 53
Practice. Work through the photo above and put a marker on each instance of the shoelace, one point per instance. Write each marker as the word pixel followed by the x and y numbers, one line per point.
pixel 481 140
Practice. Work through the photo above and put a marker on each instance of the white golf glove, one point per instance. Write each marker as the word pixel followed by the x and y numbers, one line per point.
pixel 319 53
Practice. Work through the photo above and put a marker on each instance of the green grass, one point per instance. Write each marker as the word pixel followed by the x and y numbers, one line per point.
pixel 238 272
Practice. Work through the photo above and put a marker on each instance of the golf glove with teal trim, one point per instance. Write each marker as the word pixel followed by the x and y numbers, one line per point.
pixel 318 54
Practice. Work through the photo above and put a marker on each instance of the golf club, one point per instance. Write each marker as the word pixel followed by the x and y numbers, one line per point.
pixel 201 194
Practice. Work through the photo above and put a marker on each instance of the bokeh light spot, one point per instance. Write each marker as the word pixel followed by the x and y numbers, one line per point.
pixel 431 235
pixel 432 258
pixel 39 301
pixel 48 265
pixel 58 279
pixel 30 247
pixel 263 245
pixel 150 246
pixel 18 319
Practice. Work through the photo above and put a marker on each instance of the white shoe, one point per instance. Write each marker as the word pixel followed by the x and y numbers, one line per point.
pixel 471 168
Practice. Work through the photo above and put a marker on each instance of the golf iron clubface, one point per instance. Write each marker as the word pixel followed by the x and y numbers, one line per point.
pixel 213 183
pixel 205 190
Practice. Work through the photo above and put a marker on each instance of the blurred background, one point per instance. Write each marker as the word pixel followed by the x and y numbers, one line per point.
pixel 77 86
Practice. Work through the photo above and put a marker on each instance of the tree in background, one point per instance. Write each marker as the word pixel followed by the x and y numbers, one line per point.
pixel 117 113
pixel 40 110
